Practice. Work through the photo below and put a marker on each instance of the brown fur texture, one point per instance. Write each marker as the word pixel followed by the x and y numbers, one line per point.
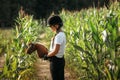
pixel 41 49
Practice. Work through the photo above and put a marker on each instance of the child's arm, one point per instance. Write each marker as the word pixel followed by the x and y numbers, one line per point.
pixel 55 51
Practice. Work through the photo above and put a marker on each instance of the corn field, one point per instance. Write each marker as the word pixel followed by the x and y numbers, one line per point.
pixel 18 65
pixel 92 49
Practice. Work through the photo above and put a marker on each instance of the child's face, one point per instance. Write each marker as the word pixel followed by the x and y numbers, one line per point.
pixel 54 27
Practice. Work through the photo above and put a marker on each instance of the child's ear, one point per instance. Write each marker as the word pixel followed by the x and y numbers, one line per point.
pixel 57 26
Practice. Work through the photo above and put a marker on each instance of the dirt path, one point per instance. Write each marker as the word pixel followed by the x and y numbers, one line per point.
pixel 43 73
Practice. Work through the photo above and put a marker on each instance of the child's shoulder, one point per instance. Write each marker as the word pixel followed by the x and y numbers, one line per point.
pixel 60 34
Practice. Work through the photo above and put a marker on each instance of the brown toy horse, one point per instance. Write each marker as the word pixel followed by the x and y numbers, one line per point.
pixel 41 49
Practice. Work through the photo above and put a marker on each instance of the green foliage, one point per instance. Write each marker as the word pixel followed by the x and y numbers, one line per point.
pixel 4 40
pixel 94 34
pixel 19 65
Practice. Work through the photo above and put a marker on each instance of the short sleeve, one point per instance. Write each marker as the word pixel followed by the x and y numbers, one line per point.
pixel 59 39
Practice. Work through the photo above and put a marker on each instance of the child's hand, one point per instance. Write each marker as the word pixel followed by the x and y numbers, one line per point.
pixel 45 57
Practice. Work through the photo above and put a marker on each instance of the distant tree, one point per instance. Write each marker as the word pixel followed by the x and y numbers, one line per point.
pixel 42 8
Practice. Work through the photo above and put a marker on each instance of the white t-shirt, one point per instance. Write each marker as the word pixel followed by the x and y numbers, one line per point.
pixel 60 39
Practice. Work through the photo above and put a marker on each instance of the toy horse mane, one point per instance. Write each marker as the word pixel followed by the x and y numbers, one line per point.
pixel 41 49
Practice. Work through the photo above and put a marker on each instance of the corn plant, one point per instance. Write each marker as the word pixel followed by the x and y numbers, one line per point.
pixel 94 39
pixel 18 65
pixel 4 40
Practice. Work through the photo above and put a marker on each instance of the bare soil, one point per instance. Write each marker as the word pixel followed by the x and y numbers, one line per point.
pixel 43 73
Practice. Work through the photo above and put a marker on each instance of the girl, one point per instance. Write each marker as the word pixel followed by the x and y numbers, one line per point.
pixel 57 48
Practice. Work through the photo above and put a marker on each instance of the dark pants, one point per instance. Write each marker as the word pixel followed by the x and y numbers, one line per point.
pixel 57 68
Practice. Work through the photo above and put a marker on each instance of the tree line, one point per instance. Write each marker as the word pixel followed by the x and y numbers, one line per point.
pixel 42 8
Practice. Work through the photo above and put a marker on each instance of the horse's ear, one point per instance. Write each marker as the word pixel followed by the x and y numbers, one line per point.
pixel 29 44
pixel 31 48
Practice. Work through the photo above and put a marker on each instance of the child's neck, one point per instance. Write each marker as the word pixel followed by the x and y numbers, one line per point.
pixel 60 30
